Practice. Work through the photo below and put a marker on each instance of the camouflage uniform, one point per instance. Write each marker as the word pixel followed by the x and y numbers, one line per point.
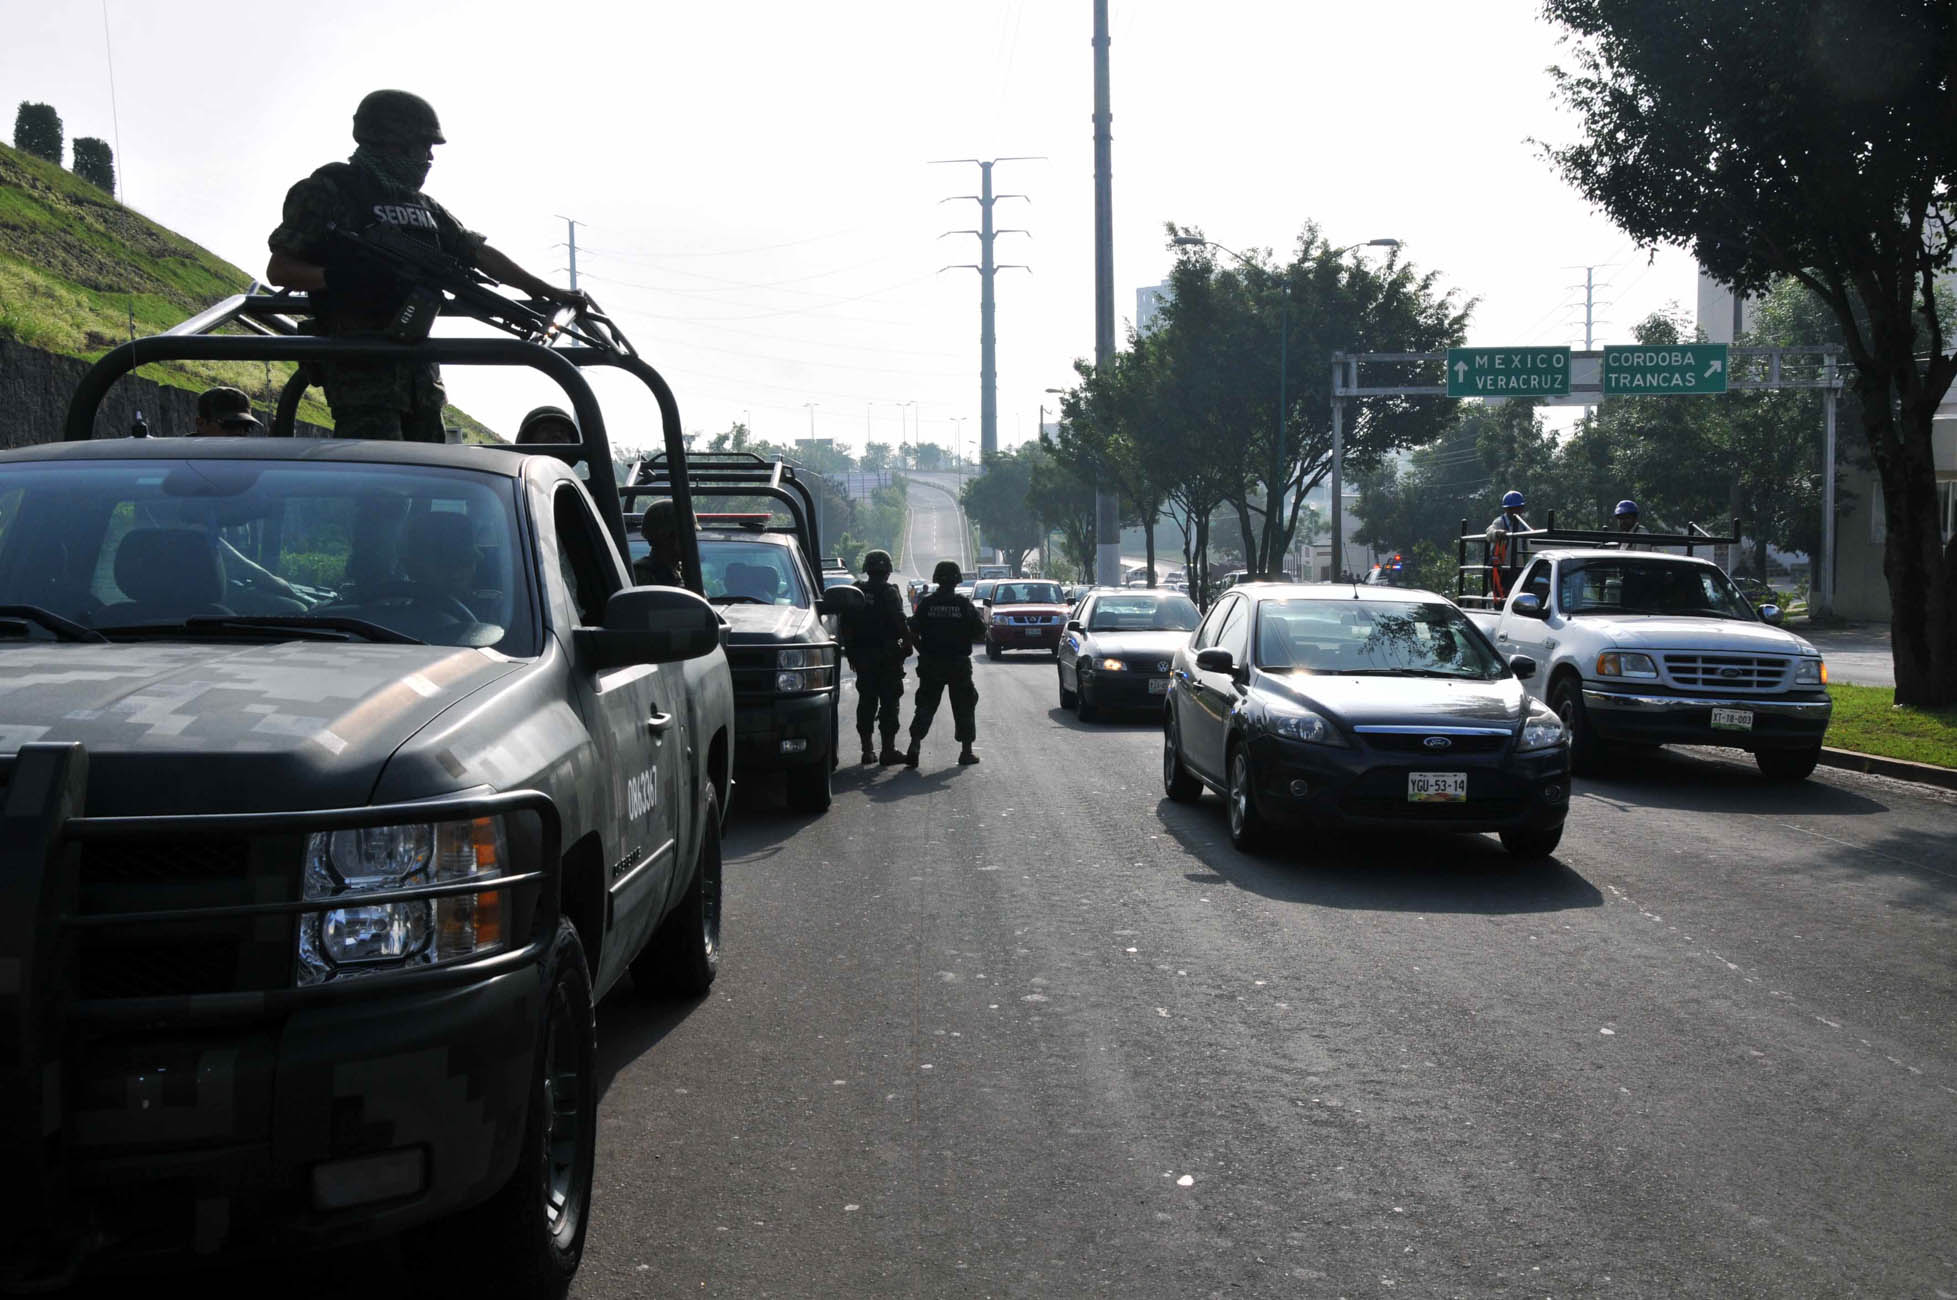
pixel 873 638
pixel 945 626
pixel 370 399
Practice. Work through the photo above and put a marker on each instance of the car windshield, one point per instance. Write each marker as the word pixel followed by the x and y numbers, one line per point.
pixel 228 547
pixel 1646 586
pixel 1371 638
pixel 1026 593
pixel 1139 613
pixel 751 573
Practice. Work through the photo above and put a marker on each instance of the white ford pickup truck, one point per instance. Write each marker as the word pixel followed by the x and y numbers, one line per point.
pixel 1643 648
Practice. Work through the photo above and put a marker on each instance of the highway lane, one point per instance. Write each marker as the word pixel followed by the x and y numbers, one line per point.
pixel 936 527
pixel 1029 1029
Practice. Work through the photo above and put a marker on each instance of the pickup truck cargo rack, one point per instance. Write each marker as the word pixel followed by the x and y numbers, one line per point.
pixel 729 474
pixel 1480 574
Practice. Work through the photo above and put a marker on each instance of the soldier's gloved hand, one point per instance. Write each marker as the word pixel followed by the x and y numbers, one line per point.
pixel 577 298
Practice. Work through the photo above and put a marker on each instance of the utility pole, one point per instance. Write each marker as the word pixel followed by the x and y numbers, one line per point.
pixel 1107 522
pixel 571 243
pixel 987 268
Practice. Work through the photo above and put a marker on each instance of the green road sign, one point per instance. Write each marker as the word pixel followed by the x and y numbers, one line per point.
pixel 1508 372
pixel 1654 370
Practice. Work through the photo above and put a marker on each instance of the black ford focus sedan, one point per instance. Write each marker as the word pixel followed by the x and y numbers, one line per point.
pixel 1364 707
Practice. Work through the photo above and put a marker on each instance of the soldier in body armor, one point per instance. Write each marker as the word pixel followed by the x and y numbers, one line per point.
pixel 876 639
pixel 380 185
pixel 944 627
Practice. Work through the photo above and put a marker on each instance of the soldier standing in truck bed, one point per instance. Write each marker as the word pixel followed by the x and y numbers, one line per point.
pixel 379 186
pixel 944 627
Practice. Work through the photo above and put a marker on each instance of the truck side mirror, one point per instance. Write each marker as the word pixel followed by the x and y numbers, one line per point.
pixel 1770 614
pixel 1529 605
pixel 649 625
pixel 1522 666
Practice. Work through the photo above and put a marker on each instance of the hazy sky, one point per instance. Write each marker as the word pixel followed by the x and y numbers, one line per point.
pixel 752 179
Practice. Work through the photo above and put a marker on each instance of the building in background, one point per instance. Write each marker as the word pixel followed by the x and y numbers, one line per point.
pixel 1150 299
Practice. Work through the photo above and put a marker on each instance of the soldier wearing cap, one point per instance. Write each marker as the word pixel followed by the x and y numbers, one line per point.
pixel 943 628
pixel 876 641
pixel 225 412
pixel 380 185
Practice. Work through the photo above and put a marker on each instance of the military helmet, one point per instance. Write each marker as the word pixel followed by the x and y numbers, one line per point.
pixel 396 118
pixel 662 519
pixel 946 574
pixel 877 561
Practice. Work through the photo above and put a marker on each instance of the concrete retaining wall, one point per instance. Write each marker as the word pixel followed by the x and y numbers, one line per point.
pixel 35 387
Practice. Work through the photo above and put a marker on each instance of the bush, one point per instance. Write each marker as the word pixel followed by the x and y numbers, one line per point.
pixel 95 163
pixel 37 130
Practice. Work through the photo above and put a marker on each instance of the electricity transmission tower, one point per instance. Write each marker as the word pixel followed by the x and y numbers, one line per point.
pixel 986 267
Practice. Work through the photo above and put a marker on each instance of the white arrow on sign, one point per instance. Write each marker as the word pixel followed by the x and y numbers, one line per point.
pixel 1715 368
pixel 1460 371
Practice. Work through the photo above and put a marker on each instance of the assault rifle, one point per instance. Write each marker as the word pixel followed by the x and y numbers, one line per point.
pixel 438 284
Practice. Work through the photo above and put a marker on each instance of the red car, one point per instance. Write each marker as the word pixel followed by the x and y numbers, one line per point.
pixel 1023 615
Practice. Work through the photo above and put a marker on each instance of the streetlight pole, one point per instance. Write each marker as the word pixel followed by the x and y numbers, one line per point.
pixel 1273 528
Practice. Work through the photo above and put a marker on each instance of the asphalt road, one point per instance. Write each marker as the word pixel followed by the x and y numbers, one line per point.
pixel 1029 1029
pixel 936 530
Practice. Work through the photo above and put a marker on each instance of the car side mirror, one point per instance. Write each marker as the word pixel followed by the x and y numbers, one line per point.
pixel 650 625
pixel 1529 605
pixel 1522 666
pixel 842 600
pixel 1770 614
pixel 1073 625
pixel 1215 660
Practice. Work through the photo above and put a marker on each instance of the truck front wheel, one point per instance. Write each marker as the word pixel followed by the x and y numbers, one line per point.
pixel 1587 752
pixel 528 1238
pixel 1787 764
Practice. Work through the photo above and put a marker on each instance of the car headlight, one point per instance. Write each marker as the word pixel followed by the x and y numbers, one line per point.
pixel 1542 729
pixel 1295 723
pixel 358 938
pixel 1625 663
pixel 1810 672
pixel 1111 665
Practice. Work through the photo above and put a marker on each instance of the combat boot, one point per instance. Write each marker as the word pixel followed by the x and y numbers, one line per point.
pixel 869 753
pixel 966 757
pixel 891 755
pixel 911 757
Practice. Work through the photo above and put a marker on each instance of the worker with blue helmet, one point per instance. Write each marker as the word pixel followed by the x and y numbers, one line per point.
pixel 1625 517
pixel 1504 554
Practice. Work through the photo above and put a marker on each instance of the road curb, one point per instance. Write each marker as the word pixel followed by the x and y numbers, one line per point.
pixel 1900 769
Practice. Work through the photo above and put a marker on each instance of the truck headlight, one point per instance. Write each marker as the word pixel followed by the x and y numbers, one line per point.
pixel 359 938
pixel 804 668
pixel 1295 723
pixel 1625 663
pixel 1810 672
pixel 1542 729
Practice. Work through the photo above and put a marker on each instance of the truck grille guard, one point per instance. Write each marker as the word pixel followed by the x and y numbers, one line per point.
pixel 58 955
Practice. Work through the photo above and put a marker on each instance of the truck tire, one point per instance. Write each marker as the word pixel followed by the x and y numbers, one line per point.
pixel 1587 752
pixel 1787 764
pixel 528 1238
pixel 683 956
pixel 808 787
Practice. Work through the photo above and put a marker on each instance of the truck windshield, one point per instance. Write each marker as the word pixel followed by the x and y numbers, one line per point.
pixel 1372 638
pixel 223 548
pixel 750 573
pixel 1649 586
pixel 1026 593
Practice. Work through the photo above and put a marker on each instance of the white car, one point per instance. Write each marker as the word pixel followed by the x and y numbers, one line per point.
pixel 1644 648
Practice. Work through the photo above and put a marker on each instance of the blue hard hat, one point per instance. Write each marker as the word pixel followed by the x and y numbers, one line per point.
pixel 1513 501
pixel 1626 507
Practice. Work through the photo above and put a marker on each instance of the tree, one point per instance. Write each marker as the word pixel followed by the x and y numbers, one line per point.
pixel 95 163
pixel 37 130
pixel 1817 141
pixel 997 501
pixel 1063 501
pixel 1234 336
pixel 1120 428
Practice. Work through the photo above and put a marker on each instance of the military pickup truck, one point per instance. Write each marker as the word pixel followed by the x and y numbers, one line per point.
pixel 1636 647
pixel 338 781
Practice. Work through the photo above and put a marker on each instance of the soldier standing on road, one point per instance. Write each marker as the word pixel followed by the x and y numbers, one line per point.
pixel 944 628
pixel 380 186
pixel 876 639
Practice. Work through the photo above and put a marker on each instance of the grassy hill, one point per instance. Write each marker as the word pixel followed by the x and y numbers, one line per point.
pixel 76 267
